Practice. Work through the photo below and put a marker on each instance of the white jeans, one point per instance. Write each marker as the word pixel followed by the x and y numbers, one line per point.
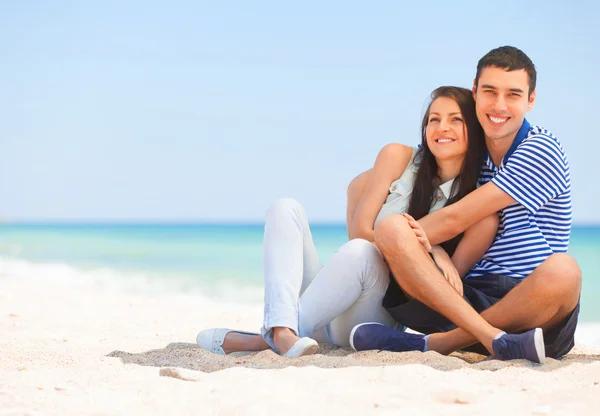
pixel 324 303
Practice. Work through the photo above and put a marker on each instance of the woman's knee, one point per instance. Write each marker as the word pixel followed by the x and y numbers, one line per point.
pixel 363 256
pixel 285 206
pixel 360 248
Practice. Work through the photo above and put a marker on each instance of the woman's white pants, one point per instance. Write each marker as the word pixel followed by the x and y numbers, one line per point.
pixel 321 302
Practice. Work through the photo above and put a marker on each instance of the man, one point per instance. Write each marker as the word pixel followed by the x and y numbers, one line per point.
pixel 526 284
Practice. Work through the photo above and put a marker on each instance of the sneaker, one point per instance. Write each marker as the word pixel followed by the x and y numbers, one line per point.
pixel 529 345
pixel 375 336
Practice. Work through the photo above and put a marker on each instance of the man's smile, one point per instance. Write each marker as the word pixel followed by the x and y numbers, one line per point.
pixel 497 120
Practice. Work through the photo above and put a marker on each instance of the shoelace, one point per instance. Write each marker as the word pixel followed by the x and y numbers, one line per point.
pixel 509 349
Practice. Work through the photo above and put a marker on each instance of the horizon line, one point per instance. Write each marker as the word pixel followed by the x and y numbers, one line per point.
pixel 167 222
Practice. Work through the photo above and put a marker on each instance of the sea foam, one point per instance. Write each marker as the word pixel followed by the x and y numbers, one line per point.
pixel 220 290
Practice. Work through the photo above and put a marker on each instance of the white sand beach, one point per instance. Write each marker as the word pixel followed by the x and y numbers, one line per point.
pixel 85 350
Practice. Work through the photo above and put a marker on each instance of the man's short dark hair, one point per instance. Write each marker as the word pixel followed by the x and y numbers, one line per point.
pixel 510 59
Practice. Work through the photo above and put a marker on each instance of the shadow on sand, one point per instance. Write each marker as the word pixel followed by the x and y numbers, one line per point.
pixel 188 356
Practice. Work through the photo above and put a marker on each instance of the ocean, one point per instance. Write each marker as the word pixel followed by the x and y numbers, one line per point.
pixel 222 262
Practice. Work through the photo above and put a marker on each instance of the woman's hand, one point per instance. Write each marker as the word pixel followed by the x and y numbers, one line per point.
pixel 419 232
pixel 449 270
pixel 439 254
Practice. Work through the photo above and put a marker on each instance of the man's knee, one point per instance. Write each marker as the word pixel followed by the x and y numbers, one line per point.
pixel 389 232
pixel 561 272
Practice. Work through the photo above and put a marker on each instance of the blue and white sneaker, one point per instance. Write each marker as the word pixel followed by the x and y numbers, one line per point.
pixel 375 336
pixel 529 345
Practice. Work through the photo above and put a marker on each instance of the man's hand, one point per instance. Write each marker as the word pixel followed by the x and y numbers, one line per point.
pixel 449 270
pixel 419 232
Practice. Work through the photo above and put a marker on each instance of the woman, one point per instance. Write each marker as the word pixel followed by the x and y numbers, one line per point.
pixel 306 302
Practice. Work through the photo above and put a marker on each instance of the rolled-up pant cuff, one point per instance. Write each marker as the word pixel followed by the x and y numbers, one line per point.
pixel 289 320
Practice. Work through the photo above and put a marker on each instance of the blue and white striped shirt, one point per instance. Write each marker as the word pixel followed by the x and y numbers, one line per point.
pixel 535 173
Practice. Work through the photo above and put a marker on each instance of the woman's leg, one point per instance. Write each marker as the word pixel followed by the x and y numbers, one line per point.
pixel 346 292
pixel 291 263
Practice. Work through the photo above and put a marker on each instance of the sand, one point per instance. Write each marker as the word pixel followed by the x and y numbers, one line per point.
pixel 83 349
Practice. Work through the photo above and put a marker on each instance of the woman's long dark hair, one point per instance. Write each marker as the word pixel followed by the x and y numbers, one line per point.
pixel 427 181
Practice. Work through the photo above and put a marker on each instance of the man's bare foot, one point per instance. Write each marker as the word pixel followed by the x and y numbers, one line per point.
pixel 236 341
pixel 284 339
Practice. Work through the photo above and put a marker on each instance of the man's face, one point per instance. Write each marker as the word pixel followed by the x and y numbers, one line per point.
pixel 501 101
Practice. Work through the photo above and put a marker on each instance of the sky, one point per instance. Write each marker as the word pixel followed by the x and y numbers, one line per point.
pixel 209 111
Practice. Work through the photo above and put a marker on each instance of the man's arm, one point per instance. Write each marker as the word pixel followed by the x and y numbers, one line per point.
pixel 448 222
pixel 475 243
pixel 536 172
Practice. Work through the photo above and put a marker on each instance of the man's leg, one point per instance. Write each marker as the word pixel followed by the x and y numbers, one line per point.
pixel 419 277
pixel 544 299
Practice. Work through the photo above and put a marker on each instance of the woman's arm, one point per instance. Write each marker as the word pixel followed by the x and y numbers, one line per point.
pixel 477 240
pixel 389 165
pixel 356 189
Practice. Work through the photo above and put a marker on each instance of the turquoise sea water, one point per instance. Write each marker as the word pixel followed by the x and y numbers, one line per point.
pixel 223 261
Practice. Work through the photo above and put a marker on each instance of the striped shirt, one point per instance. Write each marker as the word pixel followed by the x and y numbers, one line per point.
pixel 535 173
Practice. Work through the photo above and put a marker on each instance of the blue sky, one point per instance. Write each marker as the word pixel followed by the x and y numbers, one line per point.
pixel 208 111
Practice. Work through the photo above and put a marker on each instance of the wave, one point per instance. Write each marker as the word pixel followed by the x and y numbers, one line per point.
pixel 220 290
pixel 217 289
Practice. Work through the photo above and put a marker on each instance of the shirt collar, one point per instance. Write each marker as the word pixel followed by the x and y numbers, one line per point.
pixel 521 135
pixel 446 187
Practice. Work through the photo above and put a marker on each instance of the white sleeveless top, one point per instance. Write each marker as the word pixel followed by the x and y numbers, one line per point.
pixel 401 189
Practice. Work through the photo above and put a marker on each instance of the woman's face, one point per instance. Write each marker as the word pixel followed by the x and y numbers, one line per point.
pixel 446 131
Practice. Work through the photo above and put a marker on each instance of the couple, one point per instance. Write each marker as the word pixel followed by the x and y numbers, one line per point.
pixel 492 197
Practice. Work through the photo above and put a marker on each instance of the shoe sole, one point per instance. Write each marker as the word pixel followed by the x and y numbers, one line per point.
pixel 354 330
pixel 540 348
pixel 296 352
pixel 310 351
